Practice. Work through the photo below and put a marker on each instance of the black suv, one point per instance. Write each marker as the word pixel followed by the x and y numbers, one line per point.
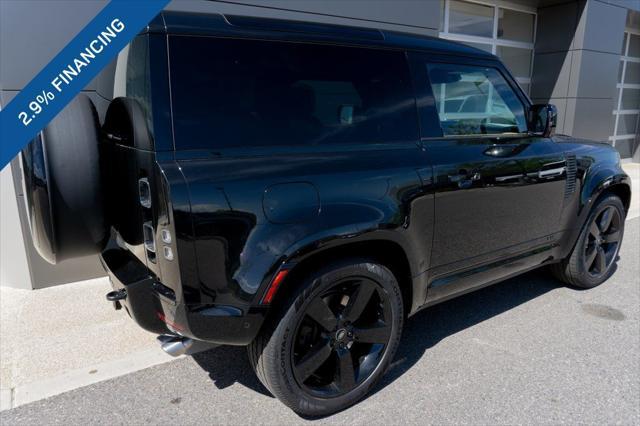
pixel 302 189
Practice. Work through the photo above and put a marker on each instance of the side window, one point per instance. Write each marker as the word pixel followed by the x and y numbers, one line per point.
pixel 475 100
pixel 243 93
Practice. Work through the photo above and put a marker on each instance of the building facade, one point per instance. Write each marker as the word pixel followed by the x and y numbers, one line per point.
pixel 581 55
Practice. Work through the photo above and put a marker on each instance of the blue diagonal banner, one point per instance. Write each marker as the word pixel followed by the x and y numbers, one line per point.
pixel 71 70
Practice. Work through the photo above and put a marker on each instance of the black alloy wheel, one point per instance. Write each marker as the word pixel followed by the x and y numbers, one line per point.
pixel 342 337
pixel 593 258
pixel 331 338
pixel 603 241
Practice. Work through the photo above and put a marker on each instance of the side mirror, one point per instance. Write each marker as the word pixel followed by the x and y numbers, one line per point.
pixel 543 119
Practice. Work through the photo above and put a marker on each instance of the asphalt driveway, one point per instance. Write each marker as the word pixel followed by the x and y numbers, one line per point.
pixel 525 351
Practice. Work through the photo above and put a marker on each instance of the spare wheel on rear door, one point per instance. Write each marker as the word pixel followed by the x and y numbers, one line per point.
pixel 63 185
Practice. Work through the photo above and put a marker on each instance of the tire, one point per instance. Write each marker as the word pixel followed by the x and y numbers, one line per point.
pixel 63 185
pixel 126 119
pixel 283 352
pixel 593 258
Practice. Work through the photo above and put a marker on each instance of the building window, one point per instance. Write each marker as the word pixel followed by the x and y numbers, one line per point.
pixel 505 31
pixel 627 101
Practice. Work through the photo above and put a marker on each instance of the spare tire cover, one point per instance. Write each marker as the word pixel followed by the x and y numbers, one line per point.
pixel 63 185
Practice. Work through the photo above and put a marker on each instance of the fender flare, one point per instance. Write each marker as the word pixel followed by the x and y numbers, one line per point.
pixel 598 180
pixel 337 238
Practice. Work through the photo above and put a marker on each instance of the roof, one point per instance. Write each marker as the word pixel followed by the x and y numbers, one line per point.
pixel 215 24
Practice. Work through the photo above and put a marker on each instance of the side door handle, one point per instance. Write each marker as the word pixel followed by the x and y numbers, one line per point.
pixel 550 173
pixel 501 151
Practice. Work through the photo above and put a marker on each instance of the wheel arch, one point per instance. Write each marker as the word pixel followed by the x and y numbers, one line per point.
pixel 604 179
pixel 623 191
pixel 386 252
pixel 598 184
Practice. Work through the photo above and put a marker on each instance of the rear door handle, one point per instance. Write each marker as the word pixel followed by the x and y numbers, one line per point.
pixel 465 179
pixel 464 175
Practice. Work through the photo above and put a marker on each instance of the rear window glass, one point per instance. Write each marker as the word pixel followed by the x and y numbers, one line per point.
pixel 244 93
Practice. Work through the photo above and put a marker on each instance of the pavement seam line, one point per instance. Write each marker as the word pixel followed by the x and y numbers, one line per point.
pixel 75 379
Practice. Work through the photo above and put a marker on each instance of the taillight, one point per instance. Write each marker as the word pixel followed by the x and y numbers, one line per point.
pixel 158 233
pixel 165 236
pixel 273 287
pixel 149 240
pixel 168 252
pixel 162 317
pixel 144 191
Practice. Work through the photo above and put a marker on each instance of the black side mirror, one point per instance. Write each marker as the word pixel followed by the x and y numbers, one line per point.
pixel 543 119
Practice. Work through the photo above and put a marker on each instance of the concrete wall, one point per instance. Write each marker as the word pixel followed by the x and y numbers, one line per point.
pixel 31 34
pixel 577 54
pixel 421 17
pixel 14 269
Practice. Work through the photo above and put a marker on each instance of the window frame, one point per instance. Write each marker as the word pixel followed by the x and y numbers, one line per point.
pixel 618 110
pixel 426 101
pixel 494 41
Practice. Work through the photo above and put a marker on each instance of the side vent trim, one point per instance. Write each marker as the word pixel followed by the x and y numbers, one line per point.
pixel 570 187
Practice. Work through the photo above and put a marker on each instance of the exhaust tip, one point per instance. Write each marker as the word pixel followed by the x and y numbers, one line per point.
pixel 175 345
pixel 178 345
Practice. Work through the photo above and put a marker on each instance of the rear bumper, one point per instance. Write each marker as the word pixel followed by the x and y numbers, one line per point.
pixel 156 308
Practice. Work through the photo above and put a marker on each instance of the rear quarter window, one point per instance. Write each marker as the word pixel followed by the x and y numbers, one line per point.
pixel 246 93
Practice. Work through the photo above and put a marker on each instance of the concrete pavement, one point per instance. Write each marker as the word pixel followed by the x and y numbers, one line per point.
pixel 60 338
pixel 528 350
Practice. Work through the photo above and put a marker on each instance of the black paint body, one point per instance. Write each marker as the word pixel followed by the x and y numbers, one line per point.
pixel 453 213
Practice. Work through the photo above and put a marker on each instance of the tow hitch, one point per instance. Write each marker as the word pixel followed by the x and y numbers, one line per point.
pixel 116 296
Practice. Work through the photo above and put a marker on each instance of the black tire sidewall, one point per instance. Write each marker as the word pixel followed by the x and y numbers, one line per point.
pixel 582 275
pixel 289 390
pixel 72 143
pixel 64 201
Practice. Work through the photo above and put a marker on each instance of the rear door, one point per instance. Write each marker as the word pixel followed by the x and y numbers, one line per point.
pixel 499 191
